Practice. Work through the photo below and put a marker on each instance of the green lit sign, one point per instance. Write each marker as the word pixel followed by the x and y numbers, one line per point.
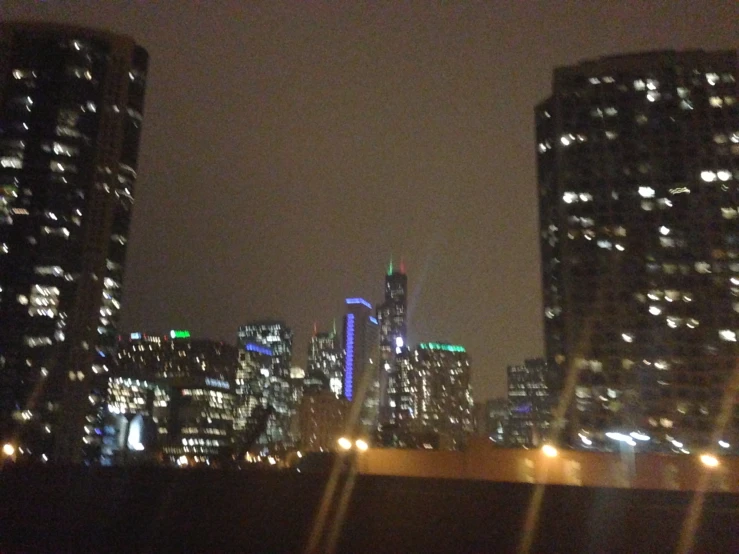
pixel 179 334
pixel 440 346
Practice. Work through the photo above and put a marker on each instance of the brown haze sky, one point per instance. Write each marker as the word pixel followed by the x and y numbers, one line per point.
pixel 289 148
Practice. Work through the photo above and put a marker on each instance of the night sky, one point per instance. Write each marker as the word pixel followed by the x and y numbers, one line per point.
pixel 289 149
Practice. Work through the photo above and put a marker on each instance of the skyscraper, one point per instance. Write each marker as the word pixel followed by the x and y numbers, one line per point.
pixel 392 319
pixel 71 105
pixel 533 393
pixel 278 393
pixel 439 397
pixel 361 352
pixel 638 162
pixel 325 362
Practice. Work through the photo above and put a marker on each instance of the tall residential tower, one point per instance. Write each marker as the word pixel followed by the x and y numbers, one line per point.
pixel 638 159
pixel 71 108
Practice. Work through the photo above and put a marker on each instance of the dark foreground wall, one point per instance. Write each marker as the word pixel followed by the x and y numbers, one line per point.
pixel 158 510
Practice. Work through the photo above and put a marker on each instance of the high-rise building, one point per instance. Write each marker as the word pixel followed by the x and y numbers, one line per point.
pixel 393 329
pixel 322 418
pixel 439 394
pixel 71 109
pixel 495 422
pixel 251 388
pixel 638 163
pixel 533 393
pixel 174 355
pixel 326 362
pixel 359 325
pixel 278 391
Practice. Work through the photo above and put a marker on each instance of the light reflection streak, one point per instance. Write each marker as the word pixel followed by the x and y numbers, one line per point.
pixel 558 422
pixel 695 510
pixel 333 488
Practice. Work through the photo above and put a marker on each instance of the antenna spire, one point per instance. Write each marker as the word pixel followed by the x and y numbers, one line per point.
pixel 390 267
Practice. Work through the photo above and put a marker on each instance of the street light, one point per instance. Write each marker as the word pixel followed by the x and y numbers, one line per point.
pixel 361 445
pixel 549 451
pixel 8 449
pixel 709 460
pixel 344 443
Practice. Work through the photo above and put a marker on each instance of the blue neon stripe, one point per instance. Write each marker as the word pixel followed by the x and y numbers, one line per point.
pixel 349 373
pixel 359 301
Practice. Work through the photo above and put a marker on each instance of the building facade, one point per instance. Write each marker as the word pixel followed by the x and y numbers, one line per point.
pixel 440 393
pixel 638 164
pixel 71 109
pixel 393 330
pixel 323 418
pixel 533 392
pixel 326 362
pixel 277 392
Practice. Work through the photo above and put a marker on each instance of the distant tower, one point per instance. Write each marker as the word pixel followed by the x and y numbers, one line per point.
pixel 439 397
pixel 361 356
pixel 392 318
pixel 325 362
pixel 278 394
pixel 71 109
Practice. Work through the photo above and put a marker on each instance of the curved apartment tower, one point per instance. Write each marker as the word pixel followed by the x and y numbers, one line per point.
pixel 71 108
pixel 638 159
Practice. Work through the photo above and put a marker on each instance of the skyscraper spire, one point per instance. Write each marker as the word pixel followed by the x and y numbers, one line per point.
pixel 390 267
pixel 315 328
pixel 402 265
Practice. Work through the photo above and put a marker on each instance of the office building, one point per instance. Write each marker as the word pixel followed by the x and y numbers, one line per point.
pixel 323 418
pixel 325 362
pixel 533 392
pixel 393 330
pixel 200 420
pixel 278 390
pixel 251 390
pixel 495 420
pixel 439 399
pixel 175 354
pixel 71 109
pixel 638 164
pixel 361 352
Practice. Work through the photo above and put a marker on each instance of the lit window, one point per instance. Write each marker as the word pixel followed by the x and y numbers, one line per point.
pixel 646 192
pixel 716 101
pixel 708 176
pixel 14 162
pixel 727 335
pixel 703 267
pixel 712 78
pixel 723 174
pixel 627 337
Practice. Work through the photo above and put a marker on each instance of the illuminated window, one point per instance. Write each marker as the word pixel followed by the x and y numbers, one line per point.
pixel 646 192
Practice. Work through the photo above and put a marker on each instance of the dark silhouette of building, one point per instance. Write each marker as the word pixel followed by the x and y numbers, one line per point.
pixel 392 317
pixel 638 170
pixel 71 109
pixel 533 392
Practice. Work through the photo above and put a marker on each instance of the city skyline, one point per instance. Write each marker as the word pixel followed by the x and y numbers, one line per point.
pixel 247 213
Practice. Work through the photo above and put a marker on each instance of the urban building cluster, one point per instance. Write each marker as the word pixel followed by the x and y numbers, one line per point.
pixel 638 186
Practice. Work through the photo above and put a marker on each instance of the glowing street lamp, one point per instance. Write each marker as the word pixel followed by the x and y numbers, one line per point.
pixel 8 449
pixel 549 451
pixel 361 445
pixel 709 460
pixel 344 443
